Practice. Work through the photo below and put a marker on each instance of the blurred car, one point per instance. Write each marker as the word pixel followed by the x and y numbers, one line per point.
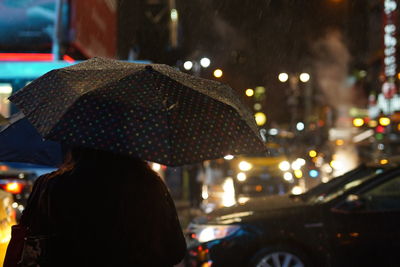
pixel 19 183
pixel 355 223
pixel 7 219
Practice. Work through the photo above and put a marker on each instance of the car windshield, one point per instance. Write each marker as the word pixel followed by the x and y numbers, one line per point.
pixel 342 184
pixel 323 187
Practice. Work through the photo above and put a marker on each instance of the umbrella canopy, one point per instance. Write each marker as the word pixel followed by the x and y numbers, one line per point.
pixel 151 111
pixel 20 142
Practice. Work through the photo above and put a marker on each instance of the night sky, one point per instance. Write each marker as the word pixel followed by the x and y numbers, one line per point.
pixel 252 41
pixel 255 40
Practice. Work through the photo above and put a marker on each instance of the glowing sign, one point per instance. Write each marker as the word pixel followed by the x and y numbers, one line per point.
pixel 389 42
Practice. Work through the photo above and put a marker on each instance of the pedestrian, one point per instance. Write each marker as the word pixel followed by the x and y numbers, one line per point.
pixel 102 209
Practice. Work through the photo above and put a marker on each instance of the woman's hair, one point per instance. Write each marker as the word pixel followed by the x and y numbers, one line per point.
pixel 80 157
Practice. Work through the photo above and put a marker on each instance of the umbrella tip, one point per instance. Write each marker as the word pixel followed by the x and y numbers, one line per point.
pixel 148 67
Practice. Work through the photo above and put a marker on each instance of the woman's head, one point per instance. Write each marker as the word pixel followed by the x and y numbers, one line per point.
pixel 81 157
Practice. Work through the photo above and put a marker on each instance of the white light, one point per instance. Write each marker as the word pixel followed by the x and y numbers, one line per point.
pixel 304 77
pixel 296 190
pixel 205 62
pixel 245 166
pixel 283 77
pixel 156 167
pixel 14 205
pixel 212 232
pixel 174 14
pixel 204 191
pixel 288 176
pixel 243 200
pixel 207 234
pixel 301 161
pixel 228 197
pixel 300 126
pixel 188 65
pixel 337 165
pixel 273 131
pixel 241 176
pixel 296 165
pixel 326 168
pixel 325 179
pixel 364 135
pixel 284 166
pixel 5 88
pixel 229 157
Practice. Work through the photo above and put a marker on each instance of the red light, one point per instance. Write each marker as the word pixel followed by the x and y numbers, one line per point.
pixel 68 59
pixel 13 187
pixel 380 129
pixel 26 57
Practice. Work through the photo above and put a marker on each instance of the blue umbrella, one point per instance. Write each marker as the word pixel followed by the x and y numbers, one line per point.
pixel 20 142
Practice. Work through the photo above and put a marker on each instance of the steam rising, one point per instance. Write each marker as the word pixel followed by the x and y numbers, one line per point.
pixel 331 69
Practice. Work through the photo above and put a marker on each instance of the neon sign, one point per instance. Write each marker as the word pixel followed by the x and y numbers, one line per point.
pixel 389 40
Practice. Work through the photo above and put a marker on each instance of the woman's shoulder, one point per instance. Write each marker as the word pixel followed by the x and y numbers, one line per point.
pixel 46 178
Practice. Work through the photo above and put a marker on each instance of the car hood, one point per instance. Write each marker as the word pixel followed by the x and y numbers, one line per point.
pixel 254 208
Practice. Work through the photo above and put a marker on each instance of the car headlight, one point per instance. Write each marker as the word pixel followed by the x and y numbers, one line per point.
pixel 211 232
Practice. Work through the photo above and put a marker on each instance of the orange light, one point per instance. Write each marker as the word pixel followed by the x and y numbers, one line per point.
pixel 3 168
pixel 383 161
pixel 14 188
pixel 26 57
pixel 354 234
pixel 259 188
pixel 339 142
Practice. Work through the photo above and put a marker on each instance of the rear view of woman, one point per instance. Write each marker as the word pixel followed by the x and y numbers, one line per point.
pixel 103 209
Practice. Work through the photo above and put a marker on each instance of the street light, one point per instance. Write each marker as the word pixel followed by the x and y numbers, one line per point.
pixel 296 94
pixel 196 66
pixel 218 73
pixel 283 77
pixel 205 62
pixel 188 65
pixel 249 92
pixel 260 118
pixel 300 126
pixel 304 77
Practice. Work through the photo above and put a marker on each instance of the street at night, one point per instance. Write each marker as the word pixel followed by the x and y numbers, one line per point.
pixel 199 133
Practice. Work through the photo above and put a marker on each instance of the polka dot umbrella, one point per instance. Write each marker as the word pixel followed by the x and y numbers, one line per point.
pixel 151 111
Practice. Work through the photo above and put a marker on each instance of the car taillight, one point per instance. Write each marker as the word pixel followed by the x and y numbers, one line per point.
pixel 13 187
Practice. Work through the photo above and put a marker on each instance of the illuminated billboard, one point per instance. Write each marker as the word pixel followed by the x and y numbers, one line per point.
pixel 28 24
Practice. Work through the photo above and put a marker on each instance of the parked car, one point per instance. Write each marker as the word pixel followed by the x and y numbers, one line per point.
pixel 7 219
pixel 19 183
pixel 355 223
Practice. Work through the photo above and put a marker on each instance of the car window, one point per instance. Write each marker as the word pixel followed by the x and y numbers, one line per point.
pixel 383 197
pixel 346 186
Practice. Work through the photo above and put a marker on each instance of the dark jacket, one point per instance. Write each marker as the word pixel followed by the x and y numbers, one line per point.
pixel 97 217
